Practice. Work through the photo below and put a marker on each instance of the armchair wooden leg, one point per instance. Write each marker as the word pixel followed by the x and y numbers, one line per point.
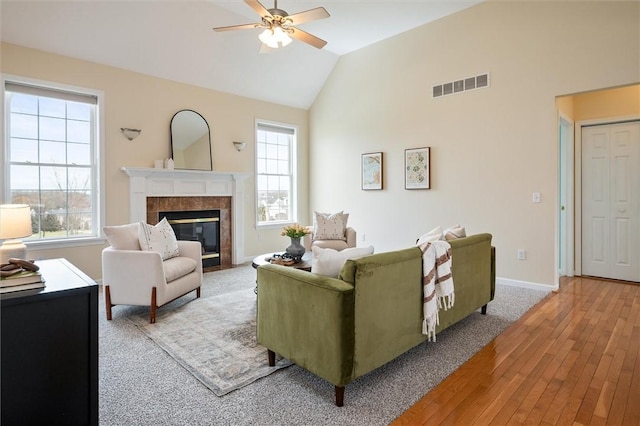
pixel 272 357
pixel 198 293
pixel 339 396
pixel 152 320
pixel 107 301
pixel 483 311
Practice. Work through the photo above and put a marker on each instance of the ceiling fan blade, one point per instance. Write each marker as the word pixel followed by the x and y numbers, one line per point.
pixel 258 7
pixel 236 27
pixel 307 38
pixel 309 15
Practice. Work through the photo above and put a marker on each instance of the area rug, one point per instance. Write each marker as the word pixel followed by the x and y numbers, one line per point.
pixel 214 338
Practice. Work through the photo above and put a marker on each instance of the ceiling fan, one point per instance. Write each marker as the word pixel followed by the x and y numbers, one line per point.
pixel 279 26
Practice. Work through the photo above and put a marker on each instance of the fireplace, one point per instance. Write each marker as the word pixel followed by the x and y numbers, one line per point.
pixel 152 191
pixel 198 225
pixel 204 219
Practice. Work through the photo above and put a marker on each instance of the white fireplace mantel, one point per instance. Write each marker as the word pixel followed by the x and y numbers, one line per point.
pixel 151 182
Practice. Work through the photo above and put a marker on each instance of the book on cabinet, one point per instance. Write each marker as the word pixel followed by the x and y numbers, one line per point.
pixel 25 277
pixel 21 287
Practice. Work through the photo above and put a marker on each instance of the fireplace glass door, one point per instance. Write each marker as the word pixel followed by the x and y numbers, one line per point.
pixel 203 226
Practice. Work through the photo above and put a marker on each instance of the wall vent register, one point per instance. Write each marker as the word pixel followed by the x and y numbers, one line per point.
pixel 463 85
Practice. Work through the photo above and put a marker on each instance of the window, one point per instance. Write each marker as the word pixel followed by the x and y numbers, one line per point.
pixel 275 173
pixel 51 159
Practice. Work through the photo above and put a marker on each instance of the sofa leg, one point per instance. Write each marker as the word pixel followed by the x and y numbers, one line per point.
pixel 272 357
pixel 198 293
pixel 152 320
pixel 107 301
pixel 339 396
pixel 483 311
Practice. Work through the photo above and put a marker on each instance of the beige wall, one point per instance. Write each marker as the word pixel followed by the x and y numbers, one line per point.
pixel 148 103
pixel 618 102
pixel 490 148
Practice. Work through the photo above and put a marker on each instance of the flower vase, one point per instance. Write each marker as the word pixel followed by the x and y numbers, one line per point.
pixel 295 249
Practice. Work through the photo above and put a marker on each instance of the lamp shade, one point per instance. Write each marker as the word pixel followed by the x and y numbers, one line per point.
pixel 15 221
pixel 275 37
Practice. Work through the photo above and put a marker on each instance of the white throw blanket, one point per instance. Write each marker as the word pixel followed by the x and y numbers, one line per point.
pixel 437 283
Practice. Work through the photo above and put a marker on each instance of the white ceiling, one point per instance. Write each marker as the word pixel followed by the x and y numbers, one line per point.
pixel 175 40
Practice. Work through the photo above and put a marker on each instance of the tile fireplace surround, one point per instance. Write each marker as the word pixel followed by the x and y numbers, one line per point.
pixel 190 190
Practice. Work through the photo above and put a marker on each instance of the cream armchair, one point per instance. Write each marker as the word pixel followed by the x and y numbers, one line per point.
pixel 138 277
pixel 349 241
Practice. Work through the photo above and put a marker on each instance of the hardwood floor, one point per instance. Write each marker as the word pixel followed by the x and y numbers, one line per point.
pixel 574 359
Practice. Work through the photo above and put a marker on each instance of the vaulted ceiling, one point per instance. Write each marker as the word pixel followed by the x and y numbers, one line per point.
pixel 174 39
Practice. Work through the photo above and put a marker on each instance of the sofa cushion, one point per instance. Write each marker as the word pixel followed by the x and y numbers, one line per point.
pixel 329 262
pixel 159 238
pixel 123 237
pixel 456 231
pixel 177 267
pixel 332 244
pixel 328 226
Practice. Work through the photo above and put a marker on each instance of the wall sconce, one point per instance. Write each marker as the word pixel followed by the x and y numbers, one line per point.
pixel 130 134
pixel 239 145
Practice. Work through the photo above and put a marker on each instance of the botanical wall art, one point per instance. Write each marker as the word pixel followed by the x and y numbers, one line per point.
pixel 416 168
pixel 372 170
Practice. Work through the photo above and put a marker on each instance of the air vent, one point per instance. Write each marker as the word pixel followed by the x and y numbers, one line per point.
pixel 463 85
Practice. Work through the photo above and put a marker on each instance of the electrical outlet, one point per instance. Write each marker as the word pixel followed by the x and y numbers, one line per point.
pixel 522 254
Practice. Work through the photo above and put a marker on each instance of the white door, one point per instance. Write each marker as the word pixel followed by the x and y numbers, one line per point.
pixel 610 201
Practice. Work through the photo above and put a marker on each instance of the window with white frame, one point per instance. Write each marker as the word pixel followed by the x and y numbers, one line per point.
pixel 51 159
pixel 275 173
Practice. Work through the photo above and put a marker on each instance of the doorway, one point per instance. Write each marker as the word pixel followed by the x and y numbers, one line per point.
pixel 565 196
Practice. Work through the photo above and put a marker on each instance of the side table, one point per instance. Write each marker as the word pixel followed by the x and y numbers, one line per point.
pixel 263 259
pixel 304 264
pixel 49 354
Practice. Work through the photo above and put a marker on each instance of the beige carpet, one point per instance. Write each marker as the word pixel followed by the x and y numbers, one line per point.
pixel 141 385
pixel 214 339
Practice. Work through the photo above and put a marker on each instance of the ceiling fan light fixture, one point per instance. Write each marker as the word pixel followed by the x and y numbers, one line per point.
pixel 275 37
pixel 265 36
pixel 279 27
pixel 281 36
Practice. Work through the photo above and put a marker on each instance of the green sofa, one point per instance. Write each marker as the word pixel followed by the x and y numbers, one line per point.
pixel 341 329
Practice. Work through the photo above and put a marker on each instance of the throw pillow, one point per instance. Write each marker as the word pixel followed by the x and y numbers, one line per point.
pixel 434 235
pixel 123 237
pixel 329 262
pixel 456 231
pixel 159 238
pixel 330 226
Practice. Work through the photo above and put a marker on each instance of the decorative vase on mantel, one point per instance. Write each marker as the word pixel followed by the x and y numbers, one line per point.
pixel 295 249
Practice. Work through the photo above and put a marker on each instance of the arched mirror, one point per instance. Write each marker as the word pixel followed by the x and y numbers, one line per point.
pixel 190 141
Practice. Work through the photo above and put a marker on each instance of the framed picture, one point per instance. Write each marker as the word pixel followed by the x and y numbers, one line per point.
pixel 417 168
pixel 372 170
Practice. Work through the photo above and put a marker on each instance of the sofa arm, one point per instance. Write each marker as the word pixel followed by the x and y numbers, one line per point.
pixel 130 275
pixel 473 269
pixel 308 319
pixel 192 249
pixel 350 233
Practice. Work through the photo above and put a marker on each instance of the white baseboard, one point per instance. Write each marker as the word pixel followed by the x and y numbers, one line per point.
pixel 525 284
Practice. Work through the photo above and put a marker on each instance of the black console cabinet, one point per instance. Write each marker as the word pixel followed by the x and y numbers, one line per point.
pixel 49 350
